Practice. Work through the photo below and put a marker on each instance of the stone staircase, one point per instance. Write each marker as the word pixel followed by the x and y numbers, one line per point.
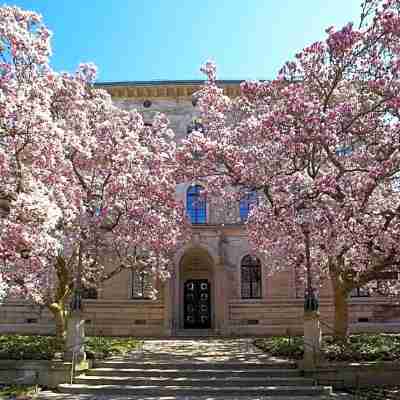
pixel 144 380
pixel 195 370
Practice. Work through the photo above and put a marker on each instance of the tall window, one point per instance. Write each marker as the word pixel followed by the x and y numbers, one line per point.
pixel 196 205
pixel 89 293
pixel 396 182
pixel 250 270
pixel 141 285
pixel 246 202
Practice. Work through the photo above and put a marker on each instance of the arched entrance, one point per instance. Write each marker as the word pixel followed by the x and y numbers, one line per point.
pixel 196 290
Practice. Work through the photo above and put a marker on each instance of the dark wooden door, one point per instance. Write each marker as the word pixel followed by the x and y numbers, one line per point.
pixel 197 304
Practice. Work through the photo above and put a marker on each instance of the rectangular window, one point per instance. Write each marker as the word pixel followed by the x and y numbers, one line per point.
pixel 359 292
pixel 196 205
pixel 141 285
pixel 89 293
pixel 396 182
pixel 246 202
pixel 251 282
pixel 380 284
pixel 343 151
pixel 385 278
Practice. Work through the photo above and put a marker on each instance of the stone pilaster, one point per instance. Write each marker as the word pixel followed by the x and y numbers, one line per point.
pixel 312 339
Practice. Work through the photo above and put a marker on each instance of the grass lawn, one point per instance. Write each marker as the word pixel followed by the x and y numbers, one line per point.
pixel 366 347
pixel 20 347
pixel 19 392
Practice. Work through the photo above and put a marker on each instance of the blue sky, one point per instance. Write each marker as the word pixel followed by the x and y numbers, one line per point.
pixel 170 39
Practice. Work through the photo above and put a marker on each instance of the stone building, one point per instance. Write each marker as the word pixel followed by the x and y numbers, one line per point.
pixel 216 287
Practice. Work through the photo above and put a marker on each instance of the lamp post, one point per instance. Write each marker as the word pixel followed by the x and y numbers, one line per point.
pixel 303 216
pixel 312 328
pixel 311 303
pixel 75 347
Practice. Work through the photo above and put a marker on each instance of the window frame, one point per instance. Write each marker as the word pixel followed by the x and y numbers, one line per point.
pixel 248 200
pixel 359 292
pixel 381 278
pixel 197 214
pixel 251 263
pixel 90 293
pixel 143 284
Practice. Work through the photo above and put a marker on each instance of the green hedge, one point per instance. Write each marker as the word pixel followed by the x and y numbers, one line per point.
pixel 19 347
pixel 379 347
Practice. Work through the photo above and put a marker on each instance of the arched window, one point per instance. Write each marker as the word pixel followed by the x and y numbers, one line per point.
pixel 196 205
pixel 250 271
pixel 246 202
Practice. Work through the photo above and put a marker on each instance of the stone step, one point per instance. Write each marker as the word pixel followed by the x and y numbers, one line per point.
pixel 190 381
pixel 190 333
pixel 47 395
pixel 200 371
pixel 154 390
pixel 193 365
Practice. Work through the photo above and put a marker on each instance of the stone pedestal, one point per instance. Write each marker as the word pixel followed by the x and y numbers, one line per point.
pixel 312 339
pixel 75 346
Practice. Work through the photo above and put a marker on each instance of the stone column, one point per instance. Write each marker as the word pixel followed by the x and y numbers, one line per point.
pixel 75 343
pixel 312 339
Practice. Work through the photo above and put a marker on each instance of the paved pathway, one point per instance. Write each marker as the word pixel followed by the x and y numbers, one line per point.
pixel 202 350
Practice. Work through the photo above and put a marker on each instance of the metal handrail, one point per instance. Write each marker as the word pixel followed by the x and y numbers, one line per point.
pixel 331 328
pixel 73 361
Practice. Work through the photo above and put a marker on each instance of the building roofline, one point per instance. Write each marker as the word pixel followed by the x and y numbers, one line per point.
pixel 166 89
pixel 167 82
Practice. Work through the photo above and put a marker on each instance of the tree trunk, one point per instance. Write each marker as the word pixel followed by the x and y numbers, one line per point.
pixel 61 319
pixel 57 307
pixel 340 295
pixel 341 321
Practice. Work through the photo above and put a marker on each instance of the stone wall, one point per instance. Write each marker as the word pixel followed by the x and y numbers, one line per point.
pixel 285 317
pixel 146 319
pixel 103 317
pixel 356 375
pixel 44 373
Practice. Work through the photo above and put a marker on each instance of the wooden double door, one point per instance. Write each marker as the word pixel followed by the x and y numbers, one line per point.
pixel 197 304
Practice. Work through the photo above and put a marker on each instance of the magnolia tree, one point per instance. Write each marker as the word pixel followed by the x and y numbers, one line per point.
pixel 321 143
pixel 83 184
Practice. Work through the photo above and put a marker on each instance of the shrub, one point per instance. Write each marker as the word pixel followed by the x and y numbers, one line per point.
pixel 19 347
pixel 378 347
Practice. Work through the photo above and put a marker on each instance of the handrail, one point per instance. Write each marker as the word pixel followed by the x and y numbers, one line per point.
pixel 331 328
pixel 73 360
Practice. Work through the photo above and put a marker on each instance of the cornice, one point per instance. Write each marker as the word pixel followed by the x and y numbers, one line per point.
pixel 163 89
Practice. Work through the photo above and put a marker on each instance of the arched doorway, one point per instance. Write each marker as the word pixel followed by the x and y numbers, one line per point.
pixel 196 290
